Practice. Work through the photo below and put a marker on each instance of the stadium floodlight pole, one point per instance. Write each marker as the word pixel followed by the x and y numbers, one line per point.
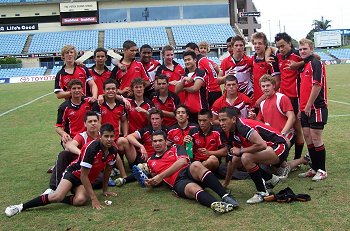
pixel 270 30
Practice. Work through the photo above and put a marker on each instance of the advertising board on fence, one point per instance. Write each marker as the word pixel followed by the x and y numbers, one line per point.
pixel 31 79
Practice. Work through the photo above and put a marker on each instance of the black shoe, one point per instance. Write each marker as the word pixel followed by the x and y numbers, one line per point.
pixel 228 198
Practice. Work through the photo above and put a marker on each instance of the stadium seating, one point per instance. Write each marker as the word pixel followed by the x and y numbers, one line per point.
pixel 154 36
pixel 324 56
pixel 340 53
pixel 212 33
pixel 54 41
pixel 12 43
pixel 18 72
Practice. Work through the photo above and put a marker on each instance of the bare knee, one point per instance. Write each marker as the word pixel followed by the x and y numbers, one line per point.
pixel 56 197
pixel 79 200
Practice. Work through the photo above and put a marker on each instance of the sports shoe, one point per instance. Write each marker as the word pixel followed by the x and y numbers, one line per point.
pixel 114 172
pixel 119 182
pixel 309 173
pixel 320 175
pixel 140 176
pixel 111 182
pixel 257 198
pixel 48 191
pixel 283 172
pixel 229 199
pixel 221 207
pixel 270 184
pixel 13 210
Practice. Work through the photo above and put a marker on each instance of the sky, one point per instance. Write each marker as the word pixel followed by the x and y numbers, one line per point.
pixel 296 16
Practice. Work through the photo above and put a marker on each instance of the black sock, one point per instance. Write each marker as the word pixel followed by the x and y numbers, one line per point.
pixel 265 175
pixel 204 198
pixel 209 180
pixel 130 178
pixel 321 156
pixel 312 154
pixel 292 141
pixel 36 202
pixel 298 150
pixel 255 174
pixel 68 200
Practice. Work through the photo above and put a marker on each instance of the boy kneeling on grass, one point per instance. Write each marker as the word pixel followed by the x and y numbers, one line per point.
pixel 95 156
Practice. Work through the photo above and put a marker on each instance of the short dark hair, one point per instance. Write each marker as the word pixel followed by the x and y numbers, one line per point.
pixel 192 45
pixel 108 81
pixel 237 38
pixel 161 76
pixel 183 106
pixel 90 113
pixel 153 111
pixel 107 127
pixel 100 49
pixel 228 40
pixel 231 111
pixel 128 44
pixel 231 78
pixel 159 132
pixel 286 37
pixel 146 46
pixel 75 82
pixel 191 53
pixel 207 112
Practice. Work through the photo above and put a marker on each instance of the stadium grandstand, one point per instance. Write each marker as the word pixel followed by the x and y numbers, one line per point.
pixel 34 31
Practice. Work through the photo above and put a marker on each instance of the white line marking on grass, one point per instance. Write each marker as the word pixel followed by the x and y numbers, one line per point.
pixel 340 102
pixel 20 106
pixel 336 116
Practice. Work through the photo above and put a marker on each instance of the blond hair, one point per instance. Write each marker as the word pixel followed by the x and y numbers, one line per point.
pixel 267 78
pixel 67 48
pixel 306 41
pixel 204 44
pixel 259 35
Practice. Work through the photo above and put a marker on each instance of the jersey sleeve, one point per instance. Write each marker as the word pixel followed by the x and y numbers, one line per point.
pixel 286 104
pixel 88 153
pixel 60 115
pixel 143 73
pixel 181 151
pixel 317 72
pixel 79 139
pixel 244 130
pixel 58 87
pixel 88 74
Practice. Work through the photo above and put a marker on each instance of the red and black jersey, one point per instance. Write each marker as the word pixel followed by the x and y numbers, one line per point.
pixel 111 115
pixel 273 110
pixel 242 102
pixel 137 119
pixel 100 78
pixel 176 134
pixel 196 101
pixel 168 105
pixel 92 157
pixel 63 78
pixel 175 74
pixel 158 164
pixel 70 116
pixel 145 135
pixel 152 68
pixel 134 70
pixel 213 141
pixel 245 128
pixel 288 85
pixel 82 138
pixel 260 67
pixel 211 80
pixel 313 73
pixel 243 70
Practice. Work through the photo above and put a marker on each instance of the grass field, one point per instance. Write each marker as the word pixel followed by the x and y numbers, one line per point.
pixel 29 145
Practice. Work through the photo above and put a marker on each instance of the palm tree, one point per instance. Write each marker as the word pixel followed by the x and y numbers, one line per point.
pixel 318 25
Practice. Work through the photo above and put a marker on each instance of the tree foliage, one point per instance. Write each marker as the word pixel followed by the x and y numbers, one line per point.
pixel 318 25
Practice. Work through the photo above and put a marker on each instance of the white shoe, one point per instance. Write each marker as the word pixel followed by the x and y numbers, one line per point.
pixel 221 207
pixel 257 198
pixel 320 175
pixel 308 173
pixel 283 172
pixel 119 182
pixel 48 191
pixel 13 210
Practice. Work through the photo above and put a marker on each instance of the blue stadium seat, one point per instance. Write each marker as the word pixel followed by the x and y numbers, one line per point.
pixel 12 43
pixel 340 53
pixel 54 41
pixel 154 36
pixel 212 33
pixel 18 72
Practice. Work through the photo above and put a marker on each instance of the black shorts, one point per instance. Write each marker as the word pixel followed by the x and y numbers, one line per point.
pixel 317 120
pixel 295 104
pixel 281 150
pixel 67 175
pixel 182 180
pixel 213 96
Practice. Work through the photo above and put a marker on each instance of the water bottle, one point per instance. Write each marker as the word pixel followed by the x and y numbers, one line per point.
pixel 189 149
